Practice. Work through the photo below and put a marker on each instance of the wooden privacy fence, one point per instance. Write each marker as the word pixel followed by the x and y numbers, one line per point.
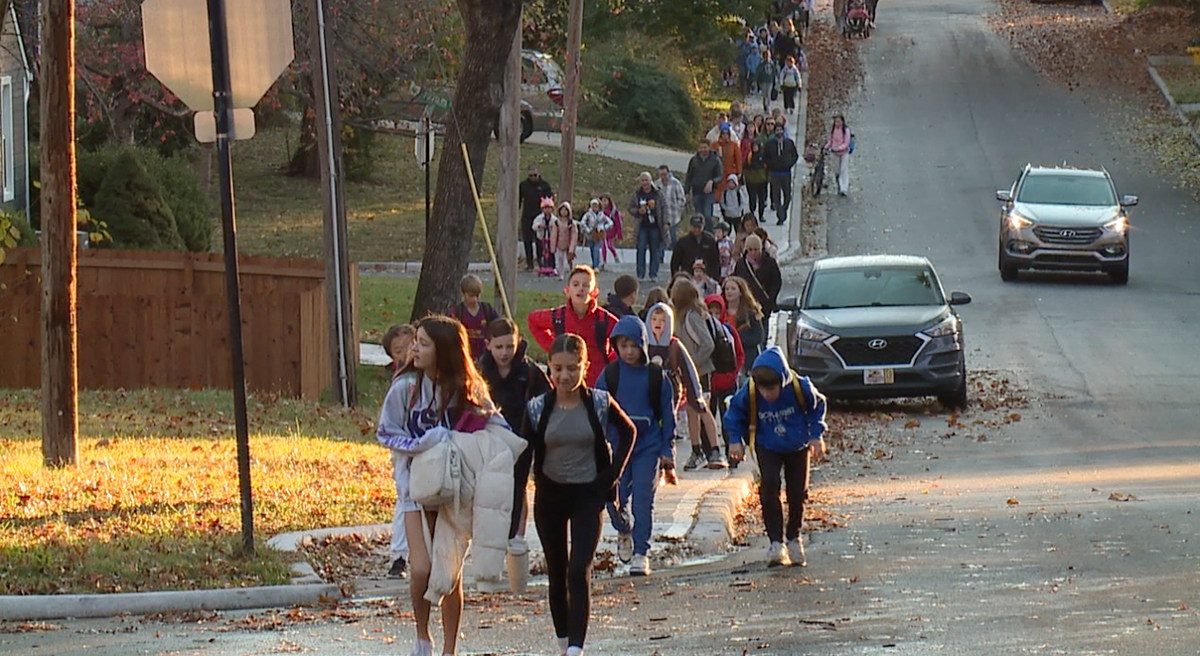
pixel 159 319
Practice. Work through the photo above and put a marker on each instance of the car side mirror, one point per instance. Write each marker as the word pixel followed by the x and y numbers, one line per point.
pixel 1004 195
pixel 959 298
pixel 1129 201
pixel 789 304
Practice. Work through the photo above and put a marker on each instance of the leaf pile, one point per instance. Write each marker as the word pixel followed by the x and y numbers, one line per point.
pixel 342 559
pixel 835 71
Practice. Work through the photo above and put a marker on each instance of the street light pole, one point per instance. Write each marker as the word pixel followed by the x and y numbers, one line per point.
pixel 223 106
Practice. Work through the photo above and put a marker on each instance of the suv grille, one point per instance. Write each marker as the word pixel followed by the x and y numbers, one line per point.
pixel 856 351
pixel 1067 236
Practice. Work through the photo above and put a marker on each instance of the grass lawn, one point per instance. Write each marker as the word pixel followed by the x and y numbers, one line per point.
pixel 154 505
pixel 1183 81
pixel 281 216
pixel 386 300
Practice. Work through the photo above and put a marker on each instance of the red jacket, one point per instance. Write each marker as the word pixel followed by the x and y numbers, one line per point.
pixel 596 319
pixel 724 382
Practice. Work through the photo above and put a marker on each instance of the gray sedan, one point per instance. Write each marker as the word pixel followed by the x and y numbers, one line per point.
pixel 879 326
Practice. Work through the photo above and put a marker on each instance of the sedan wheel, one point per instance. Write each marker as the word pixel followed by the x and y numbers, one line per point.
pixel 957 399
pixel 1008 270
pixel 1120 276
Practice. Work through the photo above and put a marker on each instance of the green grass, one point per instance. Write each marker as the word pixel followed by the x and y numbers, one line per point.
pixel 282 216
pixel 1182 81
pixel 387 300
pixel 153 503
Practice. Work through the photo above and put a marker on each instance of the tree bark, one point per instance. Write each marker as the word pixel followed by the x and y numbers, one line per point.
pixel 488 30
pixel 507 203
pixel 566 182
pixel 60 399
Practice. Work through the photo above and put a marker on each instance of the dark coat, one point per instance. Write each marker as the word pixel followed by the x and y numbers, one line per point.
pixel 531 195
pixel 764 283
pixel 780 156
pixel 524 381
pixel 688 249
pixel 701 171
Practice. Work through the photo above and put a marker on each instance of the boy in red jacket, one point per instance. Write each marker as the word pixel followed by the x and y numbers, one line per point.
pixel 580 315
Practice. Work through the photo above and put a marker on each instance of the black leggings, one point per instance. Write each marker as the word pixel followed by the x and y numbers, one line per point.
pixel 556 505
pixel 758 200
pixel 794 466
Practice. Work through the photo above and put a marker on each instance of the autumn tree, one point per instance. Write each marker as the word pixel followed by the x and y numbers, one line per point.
pixel 489 27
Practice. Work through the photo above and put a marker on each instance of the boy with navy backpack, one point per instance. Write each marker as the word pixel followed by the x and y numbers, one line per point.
pixel 781 415
pixel 644 392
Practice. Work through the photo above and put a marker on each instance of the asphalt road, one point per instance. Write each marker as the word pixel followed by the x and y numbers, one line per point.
pixel 1009 546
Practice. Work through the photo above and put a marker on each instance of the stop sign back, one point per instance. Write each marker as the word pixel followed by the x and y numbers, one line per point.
pixel 177 50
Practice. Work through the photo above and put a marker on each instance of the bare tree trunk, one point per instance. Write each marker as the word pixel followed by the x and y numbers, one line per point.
pixel 489 27
pixel 508 221
pixel 566 183
pixel 60 399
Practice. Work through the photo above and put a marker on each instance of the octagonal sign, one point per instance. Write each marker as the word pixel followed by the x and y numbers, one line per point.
pixel 177 50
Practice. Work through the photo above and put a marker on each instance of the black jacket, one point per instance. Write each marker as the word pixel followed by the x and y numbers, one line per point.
pixel 617 307
pixel 701 171
pixel 525 380
pixel 688 249
pixel 764 283
pixel 780 156
pixel 531 195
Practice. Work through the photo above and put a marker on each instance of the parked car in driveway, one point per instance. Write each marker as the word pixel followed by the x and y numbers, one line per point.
pixel 878 326
pixel 1064 218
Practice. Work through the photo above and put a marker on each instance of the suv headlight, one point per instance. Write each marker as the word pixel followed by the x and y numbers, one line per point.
pixel 1119 224
pixel 1016 221
pixel 947 326
pixel 809 333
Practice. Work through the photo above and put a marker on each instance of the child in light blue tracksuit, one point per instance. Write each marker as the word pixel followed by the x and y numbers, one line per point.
pixel 629 379
pixel 782 416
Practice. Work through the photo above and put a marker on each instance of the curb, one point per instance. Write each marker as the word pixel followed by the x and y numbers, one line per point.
pixel 716 514
pixel 1166 93
pixel 48 607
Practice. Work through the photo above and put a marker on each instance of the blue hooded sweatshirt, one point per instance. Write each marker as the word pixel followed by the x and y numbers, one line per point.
pixel 783 426
pixel 633 395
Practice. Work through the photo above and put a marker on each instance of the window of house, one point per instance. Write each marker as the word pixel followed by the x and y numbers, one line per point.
pixel 8 167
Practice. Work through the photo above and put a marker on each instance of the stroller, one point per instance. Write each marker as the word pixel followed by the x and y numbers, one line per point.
pixel 858 20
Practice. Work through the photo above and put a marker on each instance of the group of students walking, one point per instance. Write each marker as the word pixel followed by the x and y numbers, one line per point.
pixel 595 430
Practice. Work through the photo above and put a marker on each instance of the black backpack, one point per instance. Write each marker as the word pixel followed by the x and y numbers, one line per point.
pixel 559 316
pixel 612 379
pixel 724 356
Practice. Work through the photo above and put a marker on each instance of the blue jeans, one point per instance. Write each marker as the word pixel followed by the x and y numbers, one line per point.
pixel 594 247
pixel 649 238
pixel 704 205
pixel 640 481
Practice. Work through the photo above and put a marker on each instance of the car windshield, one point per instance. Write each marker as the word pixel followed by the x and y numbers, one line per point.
pixel 873 287
pixel 1065 189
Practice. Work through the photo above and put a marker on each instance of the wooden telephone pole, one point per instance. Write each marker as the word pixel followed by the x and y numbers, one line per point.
pixel 60 384
pixel 566 183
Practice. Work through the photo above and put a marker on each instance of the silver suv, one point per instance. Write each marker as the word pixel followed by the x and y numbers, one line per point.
pixel 878 326
pixel 1064 218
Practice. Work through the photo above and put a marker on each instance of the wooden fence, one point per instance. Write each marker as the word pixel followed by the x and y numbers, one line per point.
pixel 159 319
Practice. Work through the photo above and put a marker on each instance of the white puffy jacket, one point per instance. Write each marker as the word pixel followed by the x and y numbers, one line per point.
pixel 483 514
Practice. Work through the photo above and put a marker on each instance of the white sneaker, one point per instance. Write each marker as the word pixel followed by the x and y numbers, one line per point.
pixel 777 555
pixel 640 566
pixel 625 546
pixel 562 646
pixel 796 552
pixel 574 651
pixel 422 648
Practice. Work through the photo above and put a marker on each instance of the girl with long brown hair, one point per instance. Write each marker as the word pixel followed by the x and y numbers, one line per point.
pixel 692 330
pixel 743 312
pixel 432 394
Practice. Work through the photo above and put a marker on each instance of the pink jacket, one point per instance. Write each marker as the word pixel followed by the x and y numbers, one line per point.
pixel 564 234
pixel 839 140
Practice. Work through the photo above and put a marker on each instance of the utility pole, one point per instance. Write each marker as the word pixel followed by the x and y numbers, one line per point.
pixel 337 267
pixel 510 165
pixel 60 383
pixel 566 186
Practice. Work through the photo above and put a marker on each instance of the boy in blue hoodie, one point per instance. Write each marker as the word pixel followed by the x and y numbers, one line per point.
pixel 785 414
pixel 643 390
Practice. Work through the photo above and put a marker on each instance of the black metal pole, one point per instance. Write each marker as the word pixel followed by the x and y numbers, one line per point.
pixel 223 105
pixel 425 125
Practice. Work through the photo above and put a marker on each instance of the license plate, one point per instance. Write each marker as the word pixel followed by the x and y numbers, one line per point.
pixel 879 376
